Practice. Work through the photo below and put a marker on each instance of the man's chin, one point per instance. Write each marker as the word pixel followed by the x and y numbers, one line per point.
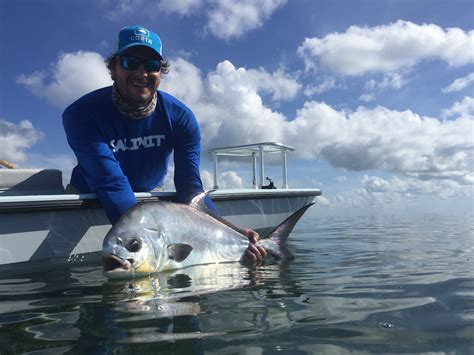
pixel 141 100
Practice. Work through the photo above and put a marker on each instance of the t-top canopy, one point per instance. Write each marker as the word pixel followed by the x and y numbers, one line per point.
pixel 254 150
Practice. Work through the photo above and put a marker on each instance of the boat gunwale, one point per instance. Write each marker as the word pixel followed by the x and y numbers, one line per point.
pixel 34 203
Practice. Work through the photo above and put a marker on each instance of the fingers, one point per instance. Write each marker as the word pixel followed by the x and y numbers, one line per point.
pixel 254 255
pixel 254 250
pixel 252 235
pixel 262 251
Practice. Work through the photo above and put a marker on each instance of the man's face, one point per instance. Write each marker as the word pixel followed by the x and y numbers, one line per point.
pixel 137 86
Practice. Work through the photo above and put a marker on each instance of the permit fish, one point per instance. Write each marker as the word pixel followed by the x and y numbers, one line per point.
pixel 157 236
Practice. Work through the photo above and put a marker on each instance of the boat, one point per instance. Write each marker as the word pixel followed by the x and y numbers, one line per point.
pixel 42 226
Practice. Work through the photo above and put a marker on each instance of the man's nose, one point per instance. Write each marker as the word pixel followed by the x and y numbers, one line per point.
pixel 141 70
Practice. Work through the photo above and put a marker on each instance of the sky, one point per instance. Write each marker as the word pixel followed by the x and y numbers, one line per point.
pixel 377 97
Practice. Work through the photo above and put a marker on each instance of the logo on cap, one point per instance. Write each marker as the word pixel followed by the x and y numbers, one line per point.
pixel 142 32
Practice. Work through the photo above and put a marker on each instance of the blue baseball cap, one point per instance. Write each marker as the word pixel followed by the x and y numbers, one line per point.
pixel 138 36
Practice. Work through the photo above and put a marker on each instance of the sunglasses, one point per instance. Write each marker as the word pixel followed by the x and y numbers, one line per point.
pixel 133 63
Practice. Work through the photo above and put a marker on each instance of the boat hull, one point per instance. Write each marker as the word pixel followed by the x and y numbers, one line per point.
pixel 38 232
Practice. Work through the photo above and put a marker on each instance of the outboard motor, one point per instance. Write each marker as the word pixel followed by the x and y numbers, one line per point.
pixel 270 185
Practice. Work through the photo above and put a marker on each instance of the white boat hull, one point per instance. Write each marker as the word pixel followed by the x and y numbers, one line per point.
pixel 37 232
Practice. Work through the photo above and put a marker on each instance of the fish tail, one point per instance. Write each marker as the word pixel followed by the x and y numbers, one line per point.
pixel 275 242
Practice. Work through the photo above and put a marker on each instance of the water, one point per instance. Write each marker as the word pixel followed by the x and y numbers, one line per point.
pixel 357 285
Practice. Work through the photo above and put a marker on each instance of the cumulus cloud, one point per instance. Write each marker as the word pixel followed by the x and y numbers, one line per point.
pixel 463 108
pixel 225 19
pixel 117 9
pixel 459 84
pixel 389 80
pixel 230 180
pixel 15 139
pixel 379 138
pixel 71 76
pixel 231 19
pixel 378 190
pixel 326 85
pixel 388 48
pixel 233 107
pixel 279 85
pixel 228 101
pixel 367 97
pixel 232 111
pixel 181 7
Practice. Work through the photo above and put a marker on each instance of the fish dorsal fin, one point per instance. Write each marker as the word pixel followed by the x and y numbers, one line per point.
pixel 198 202
pixel 179 252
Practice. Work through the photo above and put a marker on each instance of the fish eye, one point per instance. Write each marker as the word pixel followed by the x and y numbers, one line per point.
pixel 134 245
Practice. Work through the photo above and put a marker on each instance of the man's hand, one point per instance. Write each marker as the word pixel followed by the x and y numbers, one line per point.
pixel 254 254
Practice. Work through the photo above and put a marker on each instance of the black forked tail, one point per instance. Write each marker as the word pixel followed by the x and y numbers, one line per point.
pixel 276 240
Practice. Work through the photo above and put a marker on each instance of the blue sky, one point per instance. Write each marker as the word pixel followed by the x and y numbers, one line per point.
pixel 377 97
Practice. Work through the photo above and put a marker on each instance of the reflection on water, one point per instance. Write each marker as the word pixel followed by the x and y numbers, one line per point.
pixel 356 285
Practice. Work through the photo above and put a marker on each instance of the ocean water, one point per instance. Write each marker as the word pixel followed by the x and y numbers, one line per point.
pixel 363 285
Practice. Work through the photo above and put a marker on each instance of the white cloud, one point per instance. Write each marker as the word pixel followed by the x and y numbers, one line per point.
pixel 389 80
pixel 280 85
pixel 185 80
pixel 15 139
pixel 117 9
pixel 379 138
pixel 326 85
pixel 181 7
pixel 231 19
pixel 322 201
pixel 226 19
pixel 459 84
pixel 225 180
pixel 229 180
pixel 228 101
pixel 378 190
pixel 230 104
pixel 207 180
pixel 73 75
pixel 464 108
pixel 232 111
pixel 367 97
pixel 340 179
pixel 388 48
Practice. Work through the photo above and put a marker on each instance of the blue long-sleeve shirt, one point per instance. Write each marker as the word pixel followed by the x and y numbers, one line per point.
pixel 118 155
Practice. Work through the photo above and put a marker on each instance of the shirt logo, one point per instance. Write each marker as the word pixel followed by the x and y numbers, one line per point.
pixel 118 145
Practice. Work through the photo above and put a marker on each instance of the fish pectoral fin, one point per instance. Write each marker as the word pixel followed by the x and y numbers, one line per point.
pixel 179 252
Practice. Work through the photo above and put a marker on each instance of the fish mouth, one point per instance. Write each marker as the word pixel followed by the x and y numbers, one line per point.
pixel 113 263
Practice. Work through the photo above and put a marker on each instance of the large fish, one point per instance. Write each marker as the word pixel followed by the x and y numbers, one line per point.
pixel 157 236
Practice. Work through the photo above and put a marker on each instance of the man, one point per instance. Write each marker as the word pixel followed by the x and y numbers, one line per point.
pixel 122 135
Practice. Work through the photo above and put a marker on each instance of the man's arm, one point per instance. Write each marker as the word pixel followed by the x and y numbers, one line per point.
pixel 98 165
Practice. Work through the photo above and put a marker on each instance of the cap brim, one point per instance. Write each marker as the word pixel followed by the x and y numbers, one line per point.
pixel 142 45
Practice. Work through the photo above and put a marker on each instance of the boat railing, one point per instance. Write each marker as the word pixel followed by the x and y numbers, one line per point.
pixel 257 153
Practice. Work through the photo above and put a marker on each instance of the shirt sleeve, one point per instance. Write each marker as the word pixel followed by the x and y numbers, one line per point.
pixel 98 164
pixel 187 150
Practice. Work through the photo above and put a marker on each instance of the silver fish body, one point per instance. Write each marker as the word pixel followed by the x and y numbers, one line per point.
pixel 157 236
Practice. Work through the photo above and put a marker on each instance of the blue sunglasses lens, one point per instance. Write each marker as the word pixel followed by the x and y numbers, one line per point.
pixel 132 63
pixel 152 65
